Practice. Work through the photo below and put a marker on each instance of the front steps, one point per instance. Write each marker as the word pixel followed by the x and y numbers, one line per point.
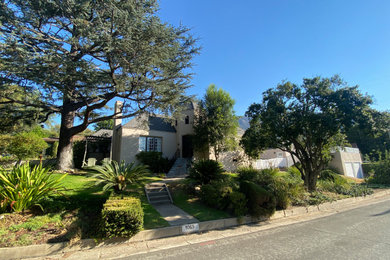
pixel 179 168
pixel 158 193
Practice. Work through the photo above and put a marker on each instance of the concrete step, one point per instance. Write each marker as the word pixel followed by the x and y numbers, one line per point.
pixel 161 201
pixel 157 197
pixel 157 193
pixel 179 168
pixel 159 189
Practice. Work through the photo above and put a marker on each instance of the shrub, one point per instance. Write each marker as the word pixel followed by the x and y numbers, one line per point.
pixel 285 188
pixel 238 203
pixel 294 173
pixel 247 174
pixel 380 171
pixel 260 201
pixel 115 175
pixel 26 145
pixel 281 188
pixel 205 171
pixel 155 161
pixel 260 177
pixel 216 193
pixel 122 217
pixel 24 187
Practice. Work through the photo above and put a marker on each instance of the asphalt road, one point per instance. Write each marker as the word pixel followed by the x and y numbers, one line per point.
pixel 361 233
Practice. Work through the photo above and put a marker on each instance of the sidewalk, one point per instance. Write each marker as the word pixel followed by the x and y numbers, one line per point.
pixel 174 215
pixel 143 242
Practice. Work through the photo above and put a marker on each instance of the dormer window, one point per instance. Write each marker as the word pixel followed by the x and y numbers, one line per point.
pixel 187 120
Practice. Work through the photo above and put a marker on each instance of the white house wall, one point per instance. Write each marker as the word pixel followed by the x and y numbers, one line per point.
pixel 130 143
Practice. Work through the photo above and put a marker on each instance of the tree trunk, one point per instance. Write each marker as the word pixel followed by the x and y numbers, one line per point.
pixel 65 150
pixel 312 185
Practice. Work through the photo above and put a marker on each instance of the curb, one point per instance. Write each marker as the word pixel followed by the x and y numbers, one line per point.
pixel 146 235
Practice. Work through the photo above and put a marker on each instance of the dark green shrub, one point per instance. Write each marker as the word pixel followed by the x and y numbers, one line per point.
pixel 360 190
pixel 247 174
pixel 281 190
pixel 155 161
pixel 216 193
pixel 205 171
pixel 260 177
pixel 380 171
pixel 260 201
pixel 285 189
pixel 238 203
pixel 122 217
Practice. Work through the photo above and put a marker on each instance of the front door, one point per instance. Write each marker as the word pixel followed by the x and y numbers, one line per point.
pixel 187 149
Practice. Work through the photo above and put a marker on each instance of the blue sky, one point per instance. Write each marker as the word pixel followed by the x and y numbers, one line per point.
pixel 250 46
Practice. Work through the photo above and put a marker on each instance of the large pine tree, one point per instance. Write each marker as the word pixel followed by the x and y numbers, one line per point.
pixel 79 55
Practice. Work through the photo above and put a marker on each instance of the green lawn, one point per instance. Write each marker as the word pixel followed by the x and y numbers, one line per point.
pixel 73 214
pixel 85 190
pixel 194 206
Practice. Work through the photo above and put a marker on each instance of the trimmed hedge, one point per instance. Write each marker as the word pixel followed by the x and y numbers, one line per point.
pixel 122 217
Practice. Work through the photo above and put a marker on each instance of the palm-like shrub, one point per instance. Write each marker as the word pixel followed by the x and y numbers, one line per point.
pixel 117 175
pixel 24 187
pixel 205 171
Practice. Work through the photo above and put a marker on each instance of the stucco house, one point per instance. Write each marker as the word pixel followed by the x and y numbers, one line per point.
pixel 173 139
pixel 153 133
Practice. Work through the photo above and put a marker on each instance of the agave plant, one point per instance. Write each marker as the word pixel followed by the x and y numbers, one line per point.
pixel 24 187
pixel 117 175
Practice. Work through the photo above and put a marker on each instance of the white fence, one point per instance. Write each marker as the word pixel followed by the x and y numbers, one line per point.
pixel 274 163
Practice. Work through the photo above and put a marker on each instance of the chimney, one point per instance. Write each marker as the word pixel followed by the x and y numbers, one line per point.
pixel 118 112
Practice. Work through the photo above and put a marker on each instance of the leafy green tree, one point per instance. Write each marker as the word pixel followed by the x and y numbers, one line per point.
pixel 106 124
pixel 79 55
pixel 371 134
pixel 26 145
pixel 307 121
pixel 215 123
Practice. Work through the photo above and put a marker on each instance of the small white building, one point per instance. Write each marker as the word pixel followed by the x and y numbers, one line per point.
pixel 347 161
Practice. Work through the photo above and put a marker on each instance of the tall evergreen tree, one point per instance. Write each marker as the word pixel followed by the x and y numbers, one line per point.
pixel 215 123
pixel 79 55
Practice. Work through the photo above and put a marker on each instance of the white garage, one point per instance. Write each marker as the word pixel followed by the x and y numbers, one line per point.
pixel 354 169
pixel 348 161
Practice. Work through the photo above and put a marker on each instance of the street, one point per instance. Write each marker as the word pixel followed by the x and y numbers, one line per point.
pixel 361 233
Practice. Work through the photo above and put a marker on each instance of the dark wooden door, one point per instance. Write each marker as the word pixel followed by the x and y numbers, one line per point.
pixel 187 150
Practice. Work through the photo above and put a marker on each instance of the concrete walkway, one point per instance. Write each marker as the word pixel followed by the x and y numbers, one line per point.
pixel 174 215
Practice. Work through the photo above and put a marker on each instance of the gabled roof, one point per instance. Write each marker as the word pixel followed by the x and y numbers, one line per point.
pixel 157 123
pixel 103 133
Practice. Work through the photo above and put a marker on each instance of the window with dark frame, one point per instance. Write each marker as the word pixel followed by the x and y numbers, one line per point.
pixel 187 120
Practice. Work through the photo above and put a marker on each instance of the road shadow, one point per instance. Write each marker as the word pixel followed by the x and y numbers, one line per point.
pixel 382 213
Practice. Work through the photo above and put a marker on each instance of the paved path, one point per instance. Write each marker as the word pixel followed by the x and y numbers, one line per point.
pixel 174 215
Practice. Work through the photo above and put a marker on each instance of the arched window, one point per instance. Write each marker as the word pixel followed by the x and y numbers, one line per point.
pixel 187 120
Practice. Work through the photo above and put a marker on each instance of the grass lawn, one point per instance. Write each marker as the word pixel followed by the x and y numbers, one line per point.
pixel 71 216
pixel 193 205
